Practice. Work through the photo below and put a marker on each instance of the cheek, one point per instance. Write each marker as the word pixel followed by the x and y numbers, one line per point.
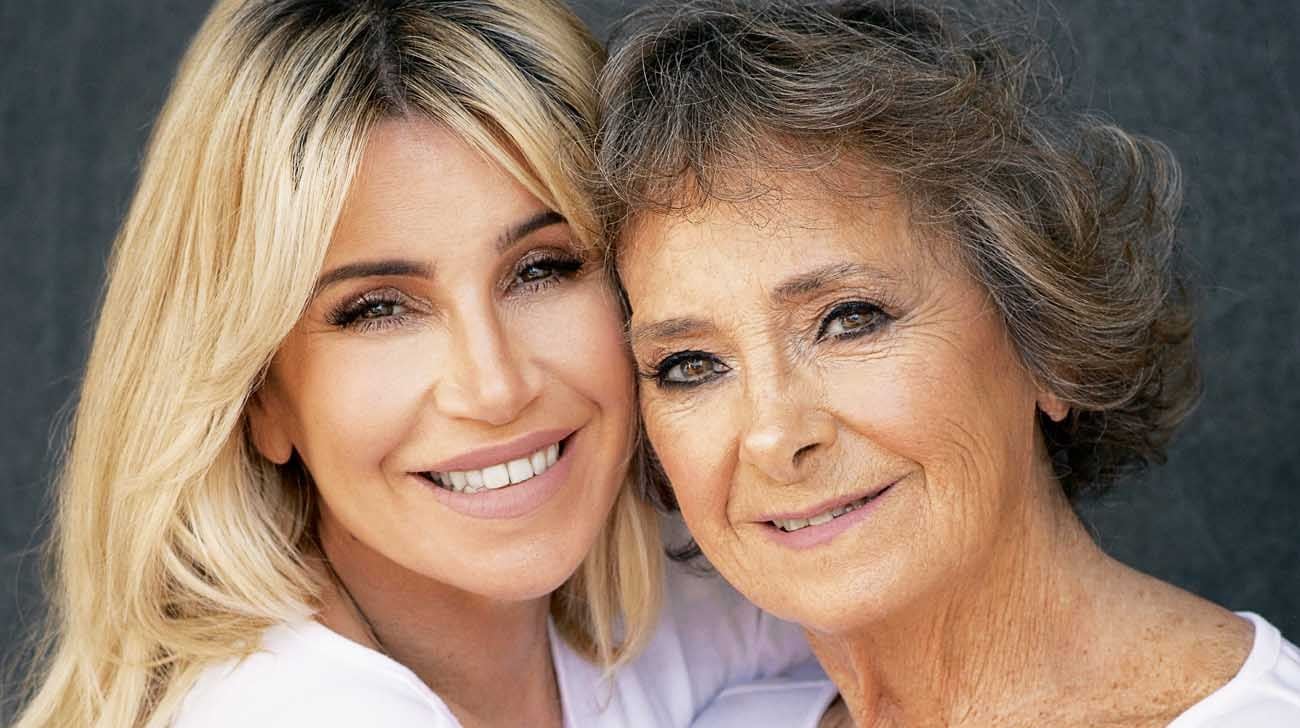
pixel 355 403
pixel 955 416
pixel 909 406
pixel 693 442
pixel 578 338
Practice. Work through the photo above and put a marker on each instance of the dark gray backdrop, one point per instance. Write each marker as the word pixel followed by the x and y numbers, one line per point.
pixel 80 83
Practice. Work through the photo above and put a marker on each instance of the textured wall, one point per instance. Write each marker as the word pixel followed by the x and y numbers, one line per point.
pixel 1220 82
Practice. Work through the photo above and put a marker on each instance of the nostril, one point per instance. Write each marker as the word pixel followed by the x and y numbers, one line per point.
pixel 801 452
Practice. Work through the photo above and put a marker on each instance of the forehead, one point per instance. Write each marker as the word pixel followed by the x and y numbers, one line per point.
pixel 419 185
pixel 722 245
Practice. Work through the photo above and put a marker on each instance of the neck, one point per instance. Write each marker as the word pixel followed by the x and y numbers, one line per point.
pixel 1011 633
pixel 463 646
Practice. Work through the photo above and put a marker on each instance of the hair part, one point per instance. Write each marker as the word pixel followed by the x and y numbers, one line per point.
pixel 175 544
pixel 1067 221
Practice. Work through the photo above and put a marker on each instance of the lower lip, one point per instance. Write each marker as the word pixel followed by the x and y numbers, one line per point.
pixel 812 536
pixel 511 501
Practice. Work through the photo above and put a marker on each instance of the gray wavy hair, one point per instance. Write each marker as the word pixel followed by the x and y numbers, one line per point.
pixel 1067 221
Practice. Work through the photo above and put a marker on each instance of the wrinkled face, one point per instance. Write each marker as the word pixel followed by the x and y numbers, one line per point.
pixel 458 387
pixel 844 421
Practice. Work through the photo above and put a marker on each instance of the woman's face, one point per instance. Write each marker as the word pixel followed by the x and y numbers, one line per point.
pixel 845 424
pixel 458 386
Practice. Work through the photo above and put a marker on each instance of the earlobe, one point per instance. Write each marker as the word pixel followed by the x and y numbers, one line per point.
pixel 269 436
pixel 1052 406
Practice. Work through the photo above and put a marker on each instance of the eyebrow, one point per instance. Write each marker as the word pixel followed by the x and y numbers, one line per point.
pixel 802 285
pixel 370 269
pixel 794 288
pixel 404 267
pixel 514 234
pixel 674 328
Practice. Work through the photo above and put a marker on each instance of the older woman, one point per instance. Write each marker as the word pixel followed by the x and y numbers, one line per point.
pixel 892 318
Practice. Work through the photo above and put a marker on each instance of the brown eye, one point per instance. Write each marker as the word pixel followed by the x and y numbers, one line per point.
pixel 695 368
pixel 688 368
pixel 851 319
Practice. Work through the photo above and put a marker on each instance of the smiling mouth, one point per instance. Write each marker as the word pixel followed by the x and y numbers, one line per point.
pixel 501 475
pixel 794 524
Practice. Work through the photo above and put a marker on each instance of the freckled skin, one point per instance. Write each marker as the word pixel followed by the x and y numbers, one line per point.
pixel 471 356
pixel 970 594
pixel 935 400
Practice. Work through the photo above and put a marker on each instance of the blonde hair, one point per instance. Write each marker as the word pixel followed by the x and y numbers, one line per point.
pixel 175 543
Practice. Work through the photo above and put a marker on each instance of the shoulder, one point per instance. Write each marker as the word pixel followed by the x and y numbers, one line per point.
pixel 1265 693
pixel 711 644
pixel 709 640
pixel 709 620
pixel 306 675
pixel 797 698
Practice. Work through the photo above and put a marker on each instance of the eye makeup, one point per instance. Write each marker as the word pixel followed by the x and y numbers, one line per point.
pixel 851 320
pixel 541 269
pixel 686 369
pixel 373 310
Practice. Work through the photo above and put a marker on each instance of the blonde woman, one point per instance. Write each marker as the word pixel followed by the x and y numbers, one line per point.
pixel 353 442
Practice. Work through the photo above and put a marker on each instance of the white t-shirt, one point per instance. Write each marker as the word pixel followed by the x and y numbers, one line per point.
pixel 709 640
pixel 1265 693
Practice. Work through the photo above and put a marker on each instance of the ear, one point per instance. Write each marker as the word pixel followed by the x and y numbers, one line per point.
pixel 1052 406
pixel 266 426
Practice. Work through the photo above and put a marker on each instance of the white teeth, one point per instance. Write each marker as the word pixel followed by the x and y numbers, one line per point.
pixel 496 476
pixel 520 470
pixel 474 479
pixel 500 475
pixel 794 524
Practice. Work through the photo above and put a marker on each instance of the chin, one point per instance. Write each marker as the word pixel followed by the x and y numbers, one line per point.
pixel 844 613
pixel 522 572
pixel 834 595
pixel 526 588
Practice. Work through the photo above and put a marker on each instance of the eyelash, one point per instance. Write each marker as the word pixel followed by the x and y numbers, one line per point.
pixel 878 319
pixel 562 267
pixel 659 373
pixel 352 313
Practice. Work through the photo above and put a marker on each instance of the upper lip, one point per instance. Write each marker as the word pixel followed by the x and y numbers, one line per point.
pixel 827 505
pixel 483 457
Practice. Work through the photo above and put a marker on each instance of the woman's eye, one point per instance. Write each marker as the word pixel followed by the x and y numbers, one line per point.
pixel 533 272
pixel 851 319
pixel 541 270
pixel 371 310
pixel 382 309
pixel 688 368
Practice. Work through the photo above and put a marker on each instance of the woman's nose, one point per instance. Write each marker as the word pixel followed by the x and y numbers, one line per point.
pixel 489 377
pixel 787 430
